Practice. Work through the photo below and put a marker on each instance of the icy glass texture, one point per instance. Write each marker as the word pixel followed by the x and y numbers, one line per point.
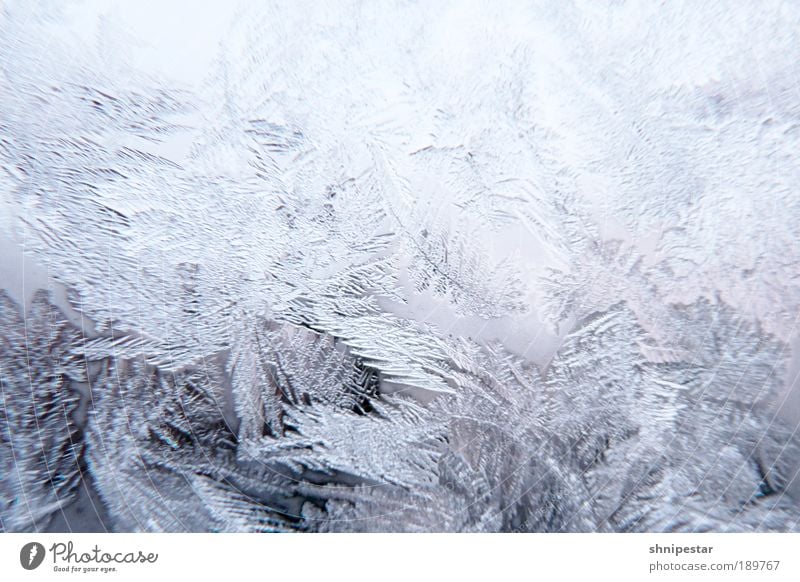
pixel 397 266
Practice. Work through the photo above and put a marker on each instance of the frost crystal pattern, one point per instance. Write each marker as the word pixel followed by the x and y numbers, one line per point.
pixel 399 267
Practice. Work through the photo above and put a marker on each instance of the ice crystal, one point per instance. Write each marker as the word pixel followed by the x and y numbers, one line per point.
pixel 41 441
pixel 403 268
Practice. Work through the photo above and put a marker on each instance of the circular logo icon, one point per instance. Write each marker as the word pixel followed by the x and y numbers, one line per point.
pixel 31 555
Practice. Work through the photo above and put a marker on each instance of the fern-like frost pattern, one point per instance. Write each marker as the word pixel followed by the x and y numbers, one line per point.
pixel 402 268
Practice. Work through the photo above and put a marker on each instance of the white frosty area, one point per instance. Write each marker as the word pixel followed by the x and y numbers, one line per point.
pixel 437 266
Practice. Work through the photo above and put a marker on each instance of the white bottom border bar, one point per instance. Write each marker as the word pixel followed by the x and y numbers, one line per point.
pixel 427 556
